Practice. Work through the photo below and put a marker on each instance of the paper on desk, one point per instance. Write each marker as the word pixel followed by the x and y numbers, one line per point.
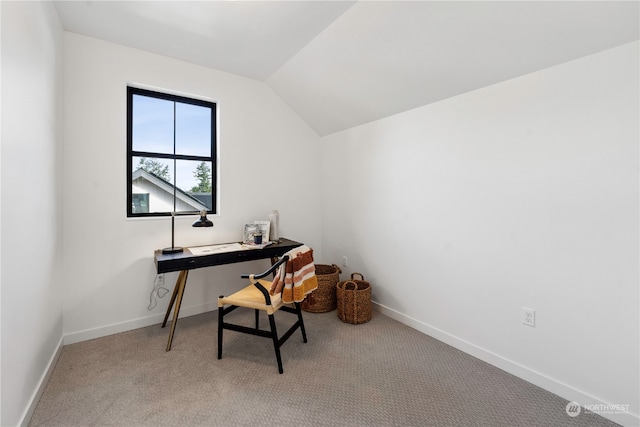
pixel 216 249
pixel 250 245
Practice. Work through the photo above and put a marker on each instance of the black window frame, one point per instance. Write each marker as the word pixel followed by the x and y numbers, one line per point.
pixel 131 91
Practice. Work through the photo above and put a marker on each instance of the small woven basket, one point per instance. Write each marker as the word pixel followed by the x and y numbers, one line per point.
pixel 354 300
pixel 323 299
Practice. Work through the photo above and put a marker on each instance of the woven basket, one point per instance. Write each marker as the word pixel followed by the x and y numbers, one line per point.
pixel 323 299
pixel 354 300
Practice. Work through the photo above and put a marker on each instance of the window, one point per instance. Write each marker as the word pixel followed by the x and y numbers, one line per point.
pixel 171 146
pixel 140 203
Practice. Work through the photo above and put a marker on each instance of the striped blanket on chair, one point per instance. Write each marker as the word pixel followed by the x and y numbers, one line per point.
pixel 298 278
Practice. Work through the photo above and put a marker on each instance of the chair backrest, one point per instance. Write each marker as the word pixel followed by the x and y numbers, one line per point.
pixel 253 278
pixel 273 268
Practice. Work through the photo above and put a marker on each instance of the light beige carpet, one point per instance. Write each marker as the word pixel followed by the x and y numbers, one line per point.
pixel 381 373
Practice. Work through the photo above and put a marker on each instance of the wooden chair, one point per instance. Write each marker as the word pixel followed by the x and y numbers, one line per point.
pixel 256 296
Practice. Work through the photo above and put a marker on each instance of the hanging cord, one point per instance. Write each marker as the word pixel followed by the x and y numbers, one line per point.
pixel 158 291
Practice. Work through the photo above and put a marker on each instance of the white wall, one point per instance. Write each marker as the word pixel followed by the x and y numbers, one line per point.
pixel 32 46
pixel 521 194
pixel 108 262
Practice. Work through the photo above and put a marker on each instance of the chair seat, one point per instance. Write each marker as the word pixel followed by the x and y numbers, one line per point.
pixel 251 297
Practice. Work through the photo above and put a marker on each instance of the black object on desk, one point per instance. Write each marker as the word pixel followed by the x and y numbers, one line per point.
pixel 185 261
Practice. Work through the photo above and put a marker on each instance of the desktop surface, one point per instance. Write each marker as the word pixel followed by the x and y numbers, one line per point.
pixel 186 260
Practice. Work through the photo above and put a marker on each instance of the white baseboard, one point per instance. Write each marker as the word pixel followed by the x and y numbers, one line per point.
pixel 537 378
pixel 44 379
pixel 130 325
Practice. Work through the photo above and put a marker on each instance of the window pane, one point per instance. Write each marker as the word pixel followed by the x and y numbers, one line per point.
pixel 193 130
pixel 152 125
pixel 153 177
pixel 194 183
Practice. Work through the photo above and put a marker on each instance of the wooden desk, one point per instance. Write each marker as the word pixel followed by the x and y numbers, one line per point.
pixel 185 261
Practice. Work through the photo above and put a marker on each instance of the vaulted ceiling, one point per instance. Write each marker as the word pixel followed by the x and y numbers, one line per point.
pixel 340 64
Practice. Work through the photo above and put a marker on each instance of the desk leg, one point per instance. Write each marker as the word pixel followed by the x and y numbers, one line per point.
pixel 178 291
pixel 173 298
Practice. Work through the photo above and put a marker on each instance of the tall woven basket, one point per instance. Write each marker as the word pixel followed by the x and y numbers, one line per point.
pixel 354 300
pixel 323 299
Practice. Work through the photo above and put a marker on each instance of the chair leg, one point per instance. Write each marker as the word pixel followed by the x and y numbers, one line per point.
pixel 220 329
pixel 257 319
pixel 276 343
pixel 299 313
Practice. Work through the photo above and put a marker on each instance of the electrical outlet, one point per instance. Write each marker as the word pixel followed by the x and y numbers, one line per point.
pixel 159 280
pixel 529 317
pixel 344 261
